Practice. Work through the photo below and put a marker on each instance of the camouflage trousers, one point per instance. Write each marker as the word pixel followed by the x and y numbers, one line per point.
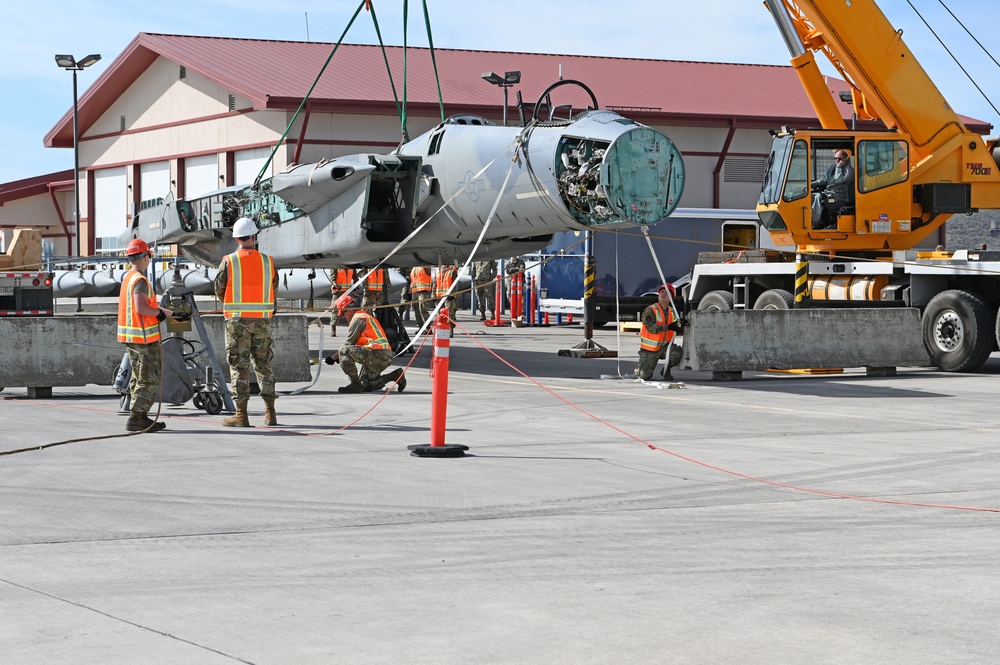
pixel 451 304
pixel 486 295
pixel 371 300
pixel 648 360
pixel 249 340
pixel 421 305
pixel 144 386
pixel 372 362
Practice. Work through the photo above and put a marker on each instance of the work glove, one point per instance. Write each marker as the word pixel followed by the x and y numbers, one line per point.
pixel 181 317
pixel 330 360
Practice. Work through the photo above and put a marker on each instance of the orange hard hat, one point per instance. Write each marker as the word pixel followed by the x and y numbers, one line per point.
pixel 137 246
pixel 668 288
pixel 345 301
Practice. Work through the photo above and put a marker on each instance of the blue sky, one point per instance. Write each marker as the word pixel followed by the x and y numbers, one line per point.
pixel 36 93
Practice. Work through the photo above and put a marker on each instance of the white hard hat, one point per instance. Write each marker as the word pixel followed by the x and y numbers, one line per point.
pixel 244 228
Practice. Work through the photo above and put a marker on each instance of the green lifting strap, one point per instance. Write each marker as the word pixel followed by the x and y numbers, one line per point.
pixel 400 108
pixel 430 42
pixel 400 111
pixel 402 117
pixel 277 145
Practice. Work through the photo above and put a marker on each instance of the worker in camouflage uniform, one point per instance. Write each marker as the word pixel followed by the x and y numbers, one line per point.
pixel 139 328
pixel 485 276
pixel 443 279
pixel 341 280
pixel 366 346
pixel 514 267
pixel 658 329
pixel 420 291
pixel 376 289
pixel 246 284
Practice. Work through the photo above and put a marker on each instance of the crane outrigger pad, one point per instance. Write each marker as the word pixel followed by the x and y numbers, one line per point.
pixel 758 340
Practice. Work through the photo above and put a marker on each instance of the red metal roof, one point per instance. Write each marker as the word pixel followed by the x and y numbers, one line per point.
pixel 28 187
pixel 277 74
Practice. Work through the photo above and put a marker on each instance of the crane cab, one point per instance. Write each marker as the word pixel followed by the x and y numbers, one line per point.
pixel 875 210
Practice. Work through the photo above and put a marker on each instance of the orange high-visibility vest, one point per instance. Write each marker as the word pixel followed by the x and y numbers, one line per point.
pixel 375 280
pixel 420 279
pixel 446 276
pixel 133 327
pixel 649 341
pixel 343 279
pixel 250 290
pixel 373 336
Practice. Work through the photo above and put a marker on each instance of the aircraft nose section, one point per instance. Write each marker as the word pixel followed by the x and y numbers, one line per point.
pixel 643 175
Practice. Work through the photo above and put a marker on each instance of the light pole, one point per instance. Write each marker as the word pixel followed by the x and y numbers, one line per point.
pixel 505 81
pixel 70 63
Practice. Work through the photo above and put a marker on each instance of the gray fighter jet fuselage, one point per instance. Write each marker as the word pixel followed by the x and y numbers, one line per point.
pixel 595 171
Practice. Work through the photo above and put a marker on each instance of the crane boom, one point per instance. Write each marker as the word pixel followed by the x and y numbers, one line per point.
pixel 859 41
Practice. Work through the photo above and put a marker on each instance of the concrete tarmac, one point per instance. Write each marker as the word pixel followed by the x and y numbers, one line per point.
pixel 606 521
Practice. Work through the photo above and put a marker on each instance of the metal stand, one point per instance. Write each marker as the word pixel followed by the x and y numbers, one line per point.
pixel 227 397
pixel 177 299
pixel 588 348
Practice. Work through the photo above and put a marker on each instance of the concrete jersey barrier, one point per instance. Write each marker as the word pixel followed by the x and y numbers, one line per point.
pixel 81 349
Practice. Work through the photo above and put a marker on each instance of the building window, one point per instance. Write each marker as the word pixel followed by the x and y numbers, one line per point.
pixel 184 71
pixel 232 102
pixel 123 124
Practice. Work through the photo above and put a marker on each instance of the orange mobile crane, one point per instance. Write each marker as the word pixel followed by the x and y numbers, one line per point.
pixel 858 252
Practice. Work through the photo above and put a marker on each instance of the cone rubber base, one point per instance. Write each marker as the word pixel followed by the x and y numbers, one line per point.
pixel 447 450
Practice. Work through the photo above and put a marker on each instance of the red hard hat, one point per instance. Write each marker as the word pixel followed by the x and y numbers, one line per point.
pixel 345 301
pixel 668 287
pixel 137 246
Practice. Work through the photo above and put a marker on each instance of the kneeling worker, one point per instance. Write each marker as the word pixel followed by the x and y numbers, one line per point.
pixel 366 345
pixel 658 329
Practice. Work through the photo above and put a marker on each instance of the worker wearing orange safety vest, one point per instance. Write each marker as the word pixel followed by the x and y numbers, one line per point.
pixel 246 284
pixel 376 289
pixel 139 329
pixel 445 277
pixel 658 329
pixel 341 280
pixel 420 292
pixel 367 346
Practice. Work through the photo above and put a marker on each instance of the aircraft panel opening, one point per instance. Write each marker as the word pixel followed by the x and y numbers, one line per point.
pixel 392 190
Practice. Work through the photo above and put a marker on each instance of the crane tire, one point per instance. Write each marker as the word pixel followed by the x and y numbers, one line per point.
pixel 717 301
pixel 957 331
pixel 774 299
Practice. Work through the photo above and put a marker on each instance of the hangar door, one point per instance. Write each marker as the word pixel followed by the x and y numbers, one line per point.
pixel 154 181
pixel 111 208
pixel 201 175
pixel 249 164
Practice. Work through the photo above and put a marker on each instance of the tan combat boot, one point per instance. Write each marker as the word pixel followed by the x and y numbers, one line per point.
pixel 238 419
pixel 140 422
pixel 270 417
